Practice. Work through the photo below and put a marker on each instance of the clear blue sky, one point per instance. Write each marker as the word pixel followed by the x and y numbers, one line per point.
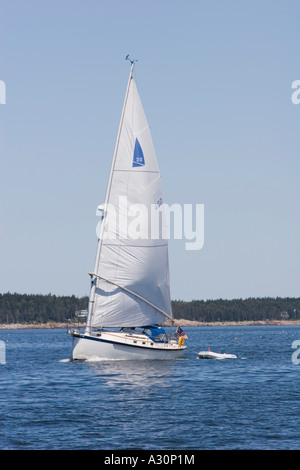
pixel 215 80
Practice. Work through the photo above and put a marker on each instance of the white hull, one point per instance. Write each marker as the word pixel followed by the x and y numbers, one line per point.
pixel 213 355
pixel 121 346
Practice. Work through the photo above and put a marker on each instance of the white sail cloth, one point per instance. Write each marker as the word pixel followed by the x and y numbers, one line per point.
pixel 131 276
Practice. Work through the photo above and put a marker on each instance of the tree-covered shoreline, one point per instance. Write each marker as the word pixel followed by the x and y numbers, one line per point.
pixel 36 308
pixel 238 310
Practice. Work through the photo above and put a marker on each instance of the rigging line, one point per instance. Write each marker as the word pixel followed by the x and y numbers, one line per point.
pixel 115 154
pixel 132 293
pixel 99 245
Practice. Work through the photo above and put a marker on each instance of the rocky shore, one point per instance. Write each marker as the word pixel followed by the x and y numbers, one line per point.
pixel 33 326
pixel 181 322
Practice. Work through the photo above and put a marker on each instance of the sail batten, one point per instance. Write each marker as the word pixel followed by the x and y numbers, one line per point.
pixel 130 284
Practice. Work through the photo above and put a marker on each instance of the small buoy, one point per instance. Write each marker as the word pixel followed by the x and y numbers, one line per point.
pixel 235 339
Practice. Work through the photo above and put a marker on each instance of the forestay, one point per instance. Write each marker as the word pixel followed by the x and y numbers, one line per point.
pixel 130 282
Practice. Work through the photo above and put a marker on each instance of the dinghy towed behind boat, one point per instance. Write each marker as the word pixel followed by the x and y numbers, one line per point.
pixel 213 355
pixel 130 291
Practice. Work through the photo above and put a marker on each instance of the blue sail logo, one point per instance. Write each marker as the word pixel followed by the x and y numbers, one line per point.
pixel 138 156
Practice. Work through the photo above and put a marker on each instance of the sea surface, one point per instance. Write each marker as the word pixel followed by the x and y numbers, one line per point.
pixel 252 402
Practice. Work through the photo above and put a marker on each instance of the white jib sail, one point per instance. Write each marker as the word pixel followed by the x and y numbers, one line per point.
pixel 130 284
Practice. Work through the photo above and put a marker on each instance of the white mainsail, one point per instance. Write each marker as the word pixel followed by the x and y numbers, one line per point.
pixel 130 282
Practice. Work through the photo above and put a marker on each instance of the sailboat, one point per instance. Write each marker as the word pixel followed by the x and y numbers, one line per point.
pixel 130 288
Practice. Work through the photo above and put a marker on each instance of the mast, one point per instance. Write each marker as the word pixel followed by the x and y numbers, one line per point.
pixel 94 279
pixel 130 280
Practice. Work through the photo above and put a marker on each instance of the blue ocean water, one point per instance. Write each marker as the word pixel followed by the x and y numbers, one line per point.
pixel 252 402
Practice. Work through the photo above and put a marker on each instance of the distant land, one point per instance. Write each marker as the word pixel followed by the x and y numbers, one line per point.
pixel 51 311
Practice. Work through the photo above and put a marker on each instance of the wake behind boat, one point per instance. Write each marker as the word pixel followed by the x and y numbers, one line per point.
pixel 130 291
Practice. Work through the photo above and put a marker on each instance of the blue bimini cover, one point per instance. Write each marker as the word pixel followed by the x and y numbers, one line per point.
pixel 156 333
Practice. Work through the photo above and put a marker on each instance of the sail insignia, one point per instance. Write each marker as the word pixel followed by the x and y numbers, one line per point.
pixel 138 155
